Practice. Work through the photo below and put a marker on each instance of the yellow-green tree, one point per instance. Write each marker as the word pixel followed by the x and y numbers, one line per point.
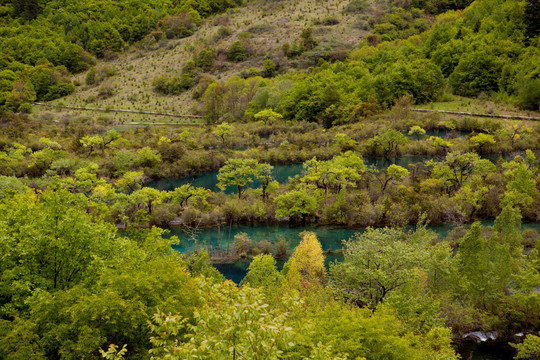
pixel 308 258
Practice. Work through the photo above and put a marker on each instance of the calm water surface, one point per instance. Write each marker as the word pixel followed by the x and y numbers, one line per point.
pixel 282 173
pixel 331 238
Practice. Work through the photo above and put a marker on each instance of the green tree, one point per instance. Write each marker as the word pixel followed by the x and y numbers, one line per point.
pixel 269 68
pixel 147 197
pixel 205 58
pixel 391 174
pixel 233 323
pixel 521 186
pixel 416 131
pixel 485 267
pixel 237 52
pixel 213 102
pixel 307 40
pixel 222 130
pixel 27 9
pixel 262 273
pixel 339 173
pixel 239 173
pixel 477 72
pixel 482 140
pixel 532 23
pixel 268 116
pixel 183 193
pixel 456 169
pixel 52 242
pixel 389 142
pixel 266 178
pixel 296 204
pixel 529 349
pixel 377 264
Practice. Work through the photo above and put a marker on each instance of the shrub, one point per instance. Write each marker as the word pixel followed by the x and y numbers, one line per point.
pixel 529 94
pixel 241 244
pixel 222 33
pixel 265 247
pixel 356 6
pixel 91 76
pixel 269 69
pixel 167 85
pixel 205 58
pixel 282 248
pixel 179 26
pixel 237 52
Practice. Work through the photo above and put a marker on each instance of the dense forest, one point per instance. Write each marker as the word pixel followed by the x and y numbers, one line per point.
pixel 306 114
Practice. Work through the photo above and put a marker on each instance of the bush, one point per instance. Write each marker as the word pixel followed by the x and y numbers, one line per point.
pixel 205 58
pixel 529 94
pixel 265 247
pixel 282 248
pixel 269 69
pixel 476 72
pixel 167 85
pixel 328 21
pixel 179 26
pixel 356 6
pixel 222 33
pixel 58 91
pixel 241 244
pixel 91 76
pixel 237 52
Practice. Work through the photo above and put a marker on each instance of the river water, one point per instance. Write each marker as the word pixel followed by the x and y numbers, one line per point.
pixel 282 173
pixel 331 238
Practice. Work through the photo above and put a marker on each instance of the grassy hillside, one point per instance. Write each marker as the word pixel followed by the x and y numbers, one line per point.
pixel 265 27
pixel 360 57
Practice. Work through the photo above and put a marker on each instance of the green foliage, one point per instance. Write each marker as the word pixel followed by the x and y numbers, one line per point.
pixel 388 142
pixel 232 322
pixel 307 40
pixel 205 58
pixel 269 68
pixel 262 273
pixel 532 23
pixel 475 73
pixel 356 6
pixel 377 264
pixel 223 130
pixel 10 185
pixel 59 231
pixel 237 52
pixel 416 131
pixel 297 204
pixel 529 349
pixel 339 173
pixel 239 173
